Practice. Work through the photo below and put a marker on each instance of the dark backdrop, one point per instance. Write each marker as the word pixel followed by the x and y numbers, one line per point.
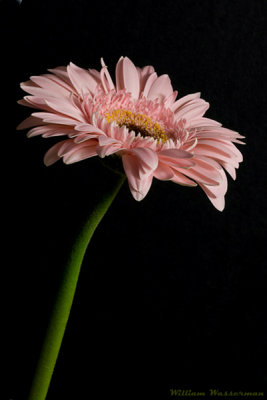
pixel 172 291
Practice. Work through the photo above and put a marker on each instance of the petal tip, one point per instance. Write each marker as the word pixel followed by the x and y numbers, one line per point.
pixel 138 196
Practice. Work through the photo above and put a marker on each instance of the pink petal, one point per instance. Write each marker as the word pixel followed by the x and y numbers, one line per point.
pixel 51 155
pixel 34 102
pixel 83 137
pixel 216 193
pixel 24 102
pixel 108 149
pixel 213 134
pixel 176 158
pixel 49 88
pixel 95 74
pixel 81 79
pixel 55 85
pixel 119 75
pixel 29 122
pixel 163 172
pixel 171 99
pixel 161 88
pixel 182 180
pixel 39 130
pixel 127 77
pixel 149 83
pixel 32 88
pixel 139 187
pixel 62 73
pixel 88 128
pixel 72 152
pixel 212 163
pixel 105 78
pixel 218 202
pixel 144 74
pixel 67 146
pixel 177 162
pixel 199 175
pixel 147 158
pixel 230 169
pixel 81 153
pixel 175 153
pixel 213 129
pixel 184 100
pixel 104 140
pixel 142 188
pixel 205 123
pixel 208 169
pixel 66 107
pixel 226 146
pixel 50 130
pixel 193 110
pixel 217 151
pixel 54 118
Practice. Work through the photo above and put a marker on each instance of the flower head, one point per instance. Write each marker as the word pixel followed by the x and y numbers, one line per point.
pixel 139 119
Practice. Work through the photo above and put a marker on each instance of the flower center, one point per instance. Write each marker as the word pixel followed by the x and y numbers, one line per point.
pixel 137 122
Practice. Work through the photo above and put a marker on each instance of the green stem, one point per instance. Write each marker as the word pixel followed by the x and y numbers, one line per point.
pixel 64 299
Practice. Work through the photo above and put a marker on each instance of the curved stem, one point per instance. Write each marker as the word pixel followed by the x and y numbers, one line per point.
pixel 65 295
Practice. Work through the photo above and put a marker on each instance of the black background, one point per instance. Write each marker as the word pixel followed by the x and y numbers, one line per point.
pixel 172 293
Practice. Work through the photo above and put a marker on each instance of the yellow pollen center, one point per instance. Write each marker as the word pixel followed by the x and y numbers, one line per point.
pixel 139 123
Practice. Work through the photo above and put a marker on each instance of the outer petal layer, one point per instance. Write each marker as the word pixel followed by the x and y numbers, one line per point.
pixel 139 165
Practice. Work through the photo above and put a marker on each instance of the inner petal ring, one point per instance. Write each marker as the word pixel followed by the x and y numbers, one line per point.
pixel 137 122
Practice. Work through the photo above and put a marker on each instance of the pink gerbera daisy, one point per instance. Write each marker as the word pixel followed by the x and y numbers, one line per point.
pixel 139 120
